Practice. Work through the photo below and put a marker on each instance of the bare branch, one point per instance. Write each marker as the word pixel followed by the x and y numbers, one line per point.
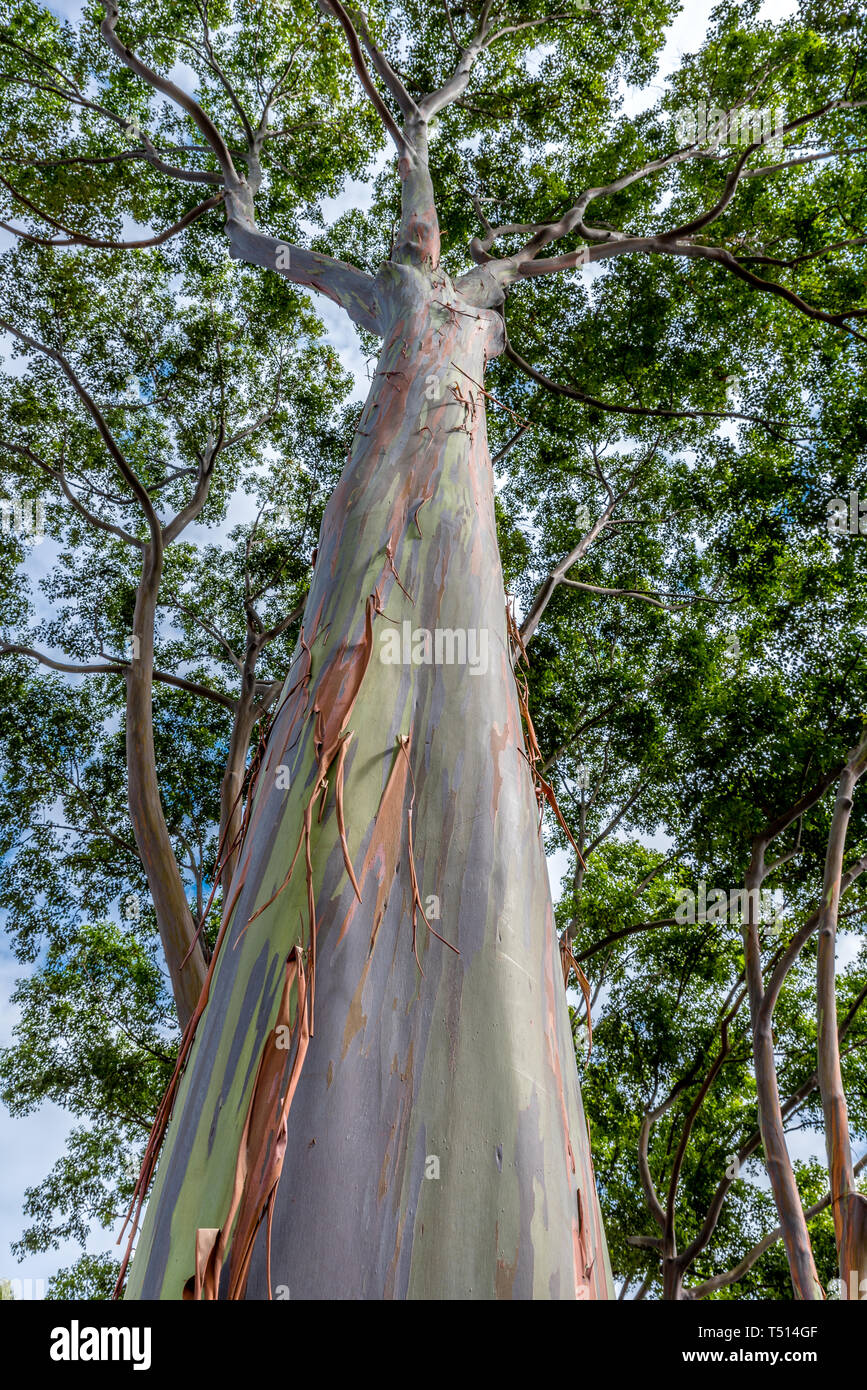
pixel 616 936
pixel 59 477
pixel 170 89
pixel 148 152
pixel 731 1276
pixel 339 12
pixel 639 594
pixel 787 263
pixel 171 602
pixel 99 243
pixel 847 151
pixel 72 668
pixel 654 412
pixel 92 408
pixel 118 668
pixel 386 72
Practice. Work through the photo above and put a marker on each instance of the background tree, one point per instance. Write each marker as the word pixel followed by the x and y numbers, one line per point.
pixel 222 613
pixel 710 727
pixel 125 418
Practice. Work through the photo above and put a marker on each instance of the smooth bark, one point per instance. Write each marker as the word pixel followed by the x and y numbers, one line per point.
pixel 848 1205
pixel 436 1145
pixel 185 961
pixel 805 1280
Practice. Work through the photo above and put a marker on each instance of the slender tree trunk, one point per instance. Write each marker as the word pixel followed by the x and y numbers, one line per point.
pixel 672 1278
pixel 805 1280
pixel 848 1205
pixel 231 787
pixel 436 1145
pixel 155 848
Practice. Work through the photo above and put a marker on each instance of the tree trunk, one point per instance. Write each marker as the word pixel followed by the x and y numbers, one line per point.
pixel 853 1246
pixel 672 1279
pixel 174 918
pixel 848 1205
pixel 436 1145
pixel 232 785
pixel 796 1236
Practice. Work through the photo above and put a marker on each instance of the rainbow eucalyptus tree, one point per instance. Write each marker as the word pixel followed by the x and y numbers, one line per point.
pixel 388 966
pixel 377 1094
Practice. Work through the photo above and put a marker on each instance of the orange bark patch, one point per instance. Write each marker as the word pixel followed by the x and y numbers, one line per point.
pixel 506 1277
pixel 355 1018
pixel 263 1144
pixel 544 791
pixel 570 963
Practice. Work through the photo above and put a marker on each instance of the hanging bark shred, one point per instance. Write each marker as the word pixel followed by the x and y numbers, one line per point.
pixel 544 790
pixel 383 850
pixel 262 1148
pixel 341 818
pixel 336 695
pixel 403 742
pixel 570 963
pixel 545 793
pixel 389 555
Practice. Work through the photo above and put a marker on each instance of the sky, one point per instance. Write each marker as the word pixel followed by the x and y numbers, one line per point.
pixel 30 1145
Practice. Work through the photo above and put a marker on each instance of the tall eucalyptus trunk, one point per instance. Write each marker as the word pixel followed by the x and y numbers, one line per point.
pixel 436 1145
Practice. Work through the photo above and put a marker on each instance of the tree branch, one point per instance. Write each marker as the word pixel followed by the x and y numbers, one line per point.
pixel 127 473
pixel 169 89
pixel 98 243
pixel 636 410
pixel 340 13
pixel 118 668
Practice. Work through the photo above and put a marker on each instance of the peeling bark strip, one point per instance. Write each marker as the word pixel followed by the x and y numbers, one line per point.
pixel 263 1146
pixel 567 957
pixel 544 790
pixel 420 780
